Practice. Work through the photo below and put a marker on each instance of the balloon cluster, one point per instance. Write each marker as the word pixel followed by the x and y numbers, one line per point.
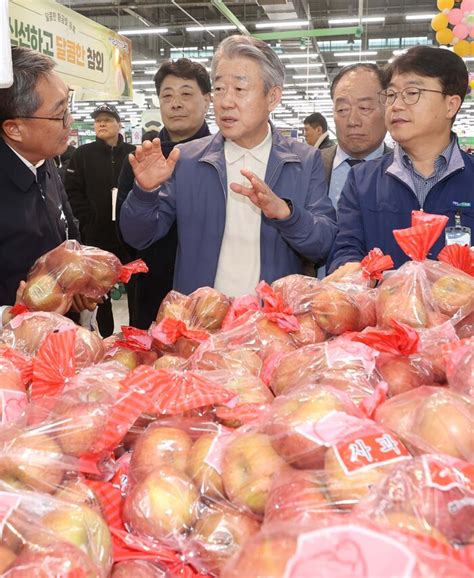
pixel 455 26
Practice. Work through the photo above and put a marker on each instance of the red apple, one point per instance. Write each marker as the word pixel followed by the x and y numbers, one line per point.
pixel 83 527
pixel 249 464
pixel 263 556
pixel 335 311
pixel 453 292
pixel 402 374
pixel 309 331
pixel 296 496
pixel 219 533
pixel 89 348
pixel 169 362
pixel 175 306
pixel 30 459
pixel 297 368
pixel 205 476
pixel 80 415
pixel 127 357
pixel 105 270
pixel 43 293
pixel 231 359
pixel 76 491
pixel 444 423
pixel 69 267
pixel 60 559
pixel 160 445
pixel 28 331
pixel 161 505
pixel 291 421
pixel 402 301
pixel 209 307
pixel 465 327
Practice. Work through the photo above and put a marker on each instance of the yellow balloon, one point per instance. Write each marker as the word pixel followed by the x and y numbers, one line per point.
pixel 439 22
pixel 462 48
pixel 445 4
pixel 444 36
pixel 471 83
pixel 472 48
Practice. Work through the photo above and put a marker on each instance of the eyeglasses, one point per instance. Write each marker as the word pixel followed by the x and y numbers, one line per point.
pixel 409 95
pixel 65 118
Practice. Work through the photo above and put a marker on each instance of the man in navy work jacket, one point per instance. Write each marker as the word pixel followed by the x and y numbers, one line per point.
pixel 35 215
pixel 423 91
pixel 249 204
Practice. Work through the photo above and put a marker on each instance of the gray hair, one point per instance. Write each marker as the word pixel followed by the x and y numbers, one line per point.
pixel 21 98
pixel 236 46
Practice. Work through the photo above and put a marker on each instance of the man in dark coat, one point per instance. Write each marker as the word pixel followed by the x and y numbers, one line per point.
pixel 35 215
pixel 91 184
pixel 184 90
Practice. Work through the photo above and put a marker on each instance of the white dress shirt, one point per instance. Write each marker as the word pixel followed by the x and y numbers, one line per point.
pixel 238 268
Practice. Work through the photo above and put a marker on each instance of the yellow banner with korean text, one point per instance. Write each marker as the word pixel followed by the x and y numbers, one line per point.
pixel 92 59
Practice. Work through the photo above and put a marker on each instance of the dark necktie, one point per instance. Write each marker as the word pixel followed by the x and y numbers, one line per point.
pixel 352 162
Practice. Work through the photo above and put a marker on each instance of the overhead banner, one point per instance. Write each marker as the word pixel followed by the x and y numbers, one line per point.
pixel 95 61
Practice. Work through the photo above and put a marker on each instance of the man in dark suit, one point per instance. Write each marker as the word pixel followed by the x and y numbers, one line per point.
pixel 360 123
pixel 35 215
pixel 316 131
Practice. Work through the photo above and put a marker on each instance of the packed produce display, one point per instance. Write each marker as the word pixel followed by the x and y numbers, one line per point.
pixel 318 428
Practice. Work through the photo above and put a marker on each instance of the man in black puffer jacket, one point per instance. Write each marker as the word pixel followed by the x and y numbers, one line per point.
pixel 91 185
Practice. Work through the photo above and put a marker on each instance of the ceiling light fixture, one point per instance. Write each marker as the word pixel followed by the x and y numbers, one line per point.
pixel 309 76
pixel 297 55
pixel 282 24
pixel 419 16
pixel 364 20
pixel 350 63
pixel 304 65
pixel 356 53
pixel 138 31
pixel 143 62
pixel 211 28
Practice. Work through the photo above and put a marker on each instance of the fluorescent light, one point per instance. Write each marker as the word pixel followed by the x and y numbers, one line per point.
pixel 468 59
pixel 282 24
pixel 399 52
pixel 149 72
pixel 145 62
pixel 138 31
pixel 309 76
pixel 143 82
pixel 364 20
pixel 297 55
pixel 211 27
pixel 356 62
pixel 199 59
pixel 311 84
pixel 419 16
pixel 304 65
pixel 356 53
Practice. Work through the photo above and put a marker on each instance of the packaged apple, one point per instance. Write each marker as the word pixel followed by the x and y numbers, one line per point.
pixel 139 569
pixel 431 419
pixel 185 321
pixel 432 495
pixel 341 363
pixel 293 419
pixel 15 375
pixel 131 347
pixel 74 269
pixel 28 332
pixel 219 533
pixel 256 331
pixel 45 536
pixel 459 356
pixel 341 547
pixel 409 295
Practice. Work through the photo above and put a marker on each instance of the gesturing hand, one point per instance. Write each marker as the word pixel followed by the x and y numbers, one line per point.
pixel 150 166
pixel 271 205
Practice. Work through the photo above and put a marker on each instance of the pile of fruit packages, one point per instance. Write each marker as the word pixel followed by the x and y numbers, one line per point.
pixel 318 428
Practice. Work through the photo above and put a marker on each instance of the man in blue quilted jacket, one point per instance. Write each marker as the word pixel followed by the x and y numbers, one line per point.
pixel 422 94
pixel 249 204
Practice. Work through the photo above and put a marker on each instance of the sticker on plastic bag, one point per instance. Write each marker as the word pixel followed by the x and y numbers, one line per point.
pixel 370 451
pixel 12 404
pixel 349 550
pixel 447 473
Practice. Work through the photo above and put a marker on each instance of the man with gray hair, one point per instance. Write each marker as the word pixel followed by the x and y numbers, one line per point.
pixel 249 204
pixel 35 215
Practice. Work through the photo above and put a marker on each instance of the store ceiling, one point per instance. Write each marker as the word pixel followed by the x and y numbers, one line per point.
pixel 305 95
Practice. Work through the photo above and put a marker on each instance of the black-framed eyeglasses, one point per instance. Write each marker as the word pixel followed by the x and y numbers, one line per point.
pixel 410 95
pixel 65 118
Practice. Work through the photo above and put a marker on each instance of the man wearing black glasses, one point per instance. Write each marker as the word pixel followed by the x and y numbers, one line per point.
pixel 422 94
pixel 35 215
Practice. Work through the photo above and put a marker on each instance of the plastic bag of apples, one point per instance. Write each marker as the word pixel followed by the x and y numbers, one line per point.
pixel 15 374
pixel 185 321
pixel 74 269
pixel 341 547
pixel 424 293
pixel 43 536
